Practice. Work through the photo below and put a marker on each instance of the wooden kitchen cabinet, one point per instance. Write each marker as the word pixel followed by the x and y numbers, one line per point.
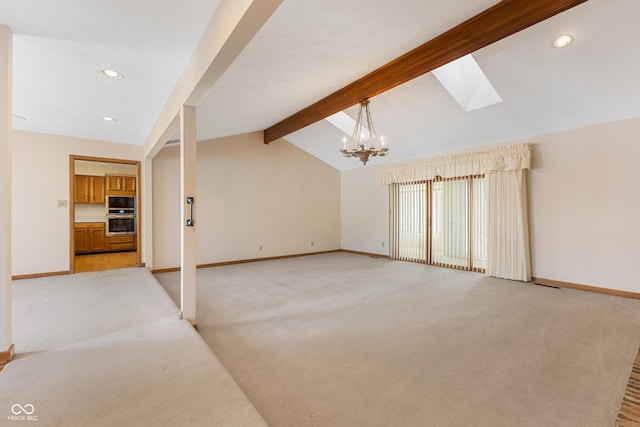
pixel 89 189
pixel 89 237
pixel 121 243
pixel 120 185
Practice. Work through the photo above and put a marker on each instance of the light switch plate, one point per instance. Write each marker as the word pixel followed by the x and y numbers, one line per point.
pixel 63 203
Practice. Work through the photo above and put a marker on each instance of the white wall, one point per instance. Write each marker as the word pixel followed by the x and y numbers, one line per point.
pixel 365 211
pixel 166 208
pixel 584 205
pixel 40 242
pixel 248 195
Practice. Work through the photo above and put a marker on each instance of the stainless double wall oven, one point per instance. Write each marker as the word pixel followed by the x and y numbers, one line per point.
pixel 121 215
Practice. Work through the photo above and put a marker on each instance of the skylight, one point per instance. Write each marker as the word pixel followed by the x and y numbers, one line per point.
pixel 342 121
pixel 467 84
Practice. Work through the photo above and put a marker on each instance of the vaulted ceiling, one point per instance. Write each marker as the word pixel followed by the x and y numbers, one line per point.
pixel 306 51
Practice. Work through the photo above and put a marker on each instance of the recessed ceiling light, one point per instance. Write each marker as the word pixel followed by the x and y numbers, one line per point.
pixel 108 119
pixel 112 74
pixel 562 41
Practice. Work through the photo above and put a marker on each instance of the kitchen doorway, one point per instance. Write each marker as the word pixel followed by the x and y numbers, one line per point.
pixel 104 213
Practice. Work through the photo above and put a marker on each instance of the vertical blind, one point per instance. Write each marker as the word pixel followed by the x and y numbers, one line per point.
pixel 440 222
pixel 409 223
pixel 479 224
pixel 508 226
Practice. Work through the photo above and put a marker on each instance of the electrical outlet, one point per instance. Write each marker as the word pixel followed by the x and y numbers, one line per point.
pixel 260 247
pixel 63 203
pixel 312 243
pixel 383 244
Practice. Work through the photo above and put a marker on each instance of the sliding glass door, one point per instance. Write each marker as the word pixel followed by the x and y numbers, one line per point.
pixel 440 222
pixel 450 223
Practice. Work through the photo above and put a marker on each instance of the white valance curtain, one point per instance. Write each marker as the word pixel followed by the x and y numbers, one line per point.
pixel 508 254
pixel 512 157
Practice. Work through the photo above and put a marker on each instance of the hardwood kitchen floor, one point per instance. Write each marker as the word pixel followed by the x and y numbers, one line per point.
pixel 108 261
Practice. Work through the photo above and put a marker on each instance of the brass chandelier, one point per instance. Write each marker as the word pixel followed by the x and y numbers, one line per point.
pixel 357 146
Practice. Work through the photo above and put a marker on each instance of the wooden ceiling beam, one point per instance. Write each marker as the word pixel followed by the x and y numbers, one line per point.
pixel 499 21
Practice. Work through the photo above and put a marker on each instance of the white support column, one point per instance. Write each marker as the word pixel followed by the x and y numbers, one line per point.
pixel 147 211
pixel 188 234
pixel 6 346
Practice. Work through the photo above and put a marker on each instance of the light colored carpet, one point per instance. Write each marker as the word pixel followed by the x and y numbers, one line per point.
pixel 348 340
pixel 107 349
